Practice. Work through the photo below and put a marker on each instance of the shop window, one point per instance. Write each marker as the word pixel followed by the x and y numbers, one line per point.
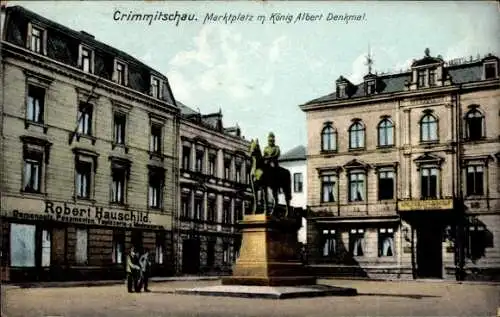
pixel 298 182
pixel 159 251
pixel 35 104
pixel 136 240
pixel 46 250
pixel 81 250
pixel 118 246
pixel 385 185
pixel 357 242
pixel 329 243
pixel 22 245
pixel 186 157
pixel 386 242
pixel 210 253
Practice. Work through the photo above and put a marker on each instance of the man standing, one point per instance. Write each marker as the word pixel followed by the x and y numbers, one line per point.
pixel 145 265
pixel 131 269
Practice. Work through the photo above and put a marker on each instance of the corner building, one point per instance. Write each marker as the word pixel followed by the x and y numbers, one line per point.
pixel 214 193
pixel 88 154
pixel 403 173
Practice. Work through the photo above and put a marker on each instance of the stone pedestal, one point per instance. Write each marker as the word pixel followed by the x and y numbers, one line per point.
pixel 269 254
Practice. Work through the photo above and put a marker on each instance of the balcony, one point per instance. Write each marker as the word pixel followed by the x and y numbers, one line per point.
pixel 425 204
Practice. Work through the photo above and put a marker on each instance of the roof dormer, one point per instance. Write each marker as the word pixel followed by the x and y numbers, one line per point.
pixel 427 72
pixel 370 83
pixel 490 67
pixel 344 88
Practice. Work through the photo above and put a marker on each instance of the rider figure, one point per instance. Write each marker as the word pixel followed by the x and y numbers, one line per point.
pixel 271 153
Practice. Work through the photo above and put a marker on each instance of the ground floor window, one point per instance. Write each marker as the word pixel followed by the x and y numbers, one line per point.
pixel 226 256
pixel 81 250
pixel 356 242
pixel 22 244
pixel 46 244
pixel 160 242
pixel 386 242
pixel 118 246
pixel 329 243
pixel 210 253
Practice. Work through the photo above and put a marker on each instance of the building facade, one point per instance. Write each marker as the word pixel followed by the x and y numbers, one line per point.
pixel 214 193
pixel 403 173
pixel 88 154
pixel 295 161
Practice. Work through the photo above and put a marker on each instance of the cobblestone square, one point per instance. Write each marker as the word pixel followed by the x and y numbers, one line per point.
pixel 408 298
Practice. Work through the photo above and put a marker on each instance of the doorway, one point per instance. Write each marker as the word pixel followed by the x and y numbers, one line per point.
pixel 190 256
pixel 429 251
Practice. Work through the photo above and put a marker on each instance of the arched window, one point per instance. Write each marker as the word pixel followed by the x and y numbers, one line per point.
pixel 474 122
pixel 428 128
pixel 357 135
pixel 385 133
pixel 328 138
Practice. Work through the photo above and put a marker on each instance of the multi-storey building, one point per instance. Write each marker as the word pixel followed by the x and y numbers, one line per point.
pixel 88 154
pixel 294 161
pixel 403 172
pixel 214 192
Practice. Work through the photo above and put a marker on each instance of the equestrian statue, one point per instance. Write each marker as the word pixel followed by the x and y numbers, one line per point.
pixel 267 174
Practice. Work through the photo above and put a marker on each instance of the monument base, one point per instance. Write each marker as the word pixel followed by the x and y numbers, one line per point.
pixel 269 281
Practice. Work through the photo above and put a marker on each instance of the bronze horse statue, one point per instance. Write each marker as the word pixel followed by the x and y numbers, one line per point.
pixel 264 177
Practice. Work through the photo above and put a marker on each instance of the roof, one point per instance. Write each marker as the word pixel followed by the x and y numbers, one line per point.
pixel 295 154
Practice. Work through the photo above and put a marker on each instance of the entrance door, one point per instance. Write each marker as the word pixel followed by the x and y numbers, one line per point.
pixel 429 252
pixel 190 256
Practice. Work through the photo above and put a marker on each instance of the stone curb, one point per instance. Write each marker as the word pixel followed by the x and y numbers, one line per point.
pixel 102 283
pixel 408 280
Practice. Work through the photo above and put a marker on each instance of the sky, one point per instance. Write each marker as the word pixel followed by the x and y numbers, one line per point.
pixel 259 72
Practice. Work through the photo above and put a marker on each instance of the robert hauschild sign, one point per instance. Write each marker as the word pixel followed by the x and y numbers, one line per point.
pixel 84 214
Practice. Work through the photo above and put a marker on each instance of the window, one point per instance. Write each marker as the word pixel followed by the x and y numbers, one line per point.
pixel 490 70
pixel 226 212
pixel 155 192
pixel 428 128
pixel 185 205
pixel 370 87
pixel 198 208
pixel 86 59
pixel 200 154
pixel 83 179
pixel 238 173
pixel 36 39
pixel 212 164
pixel 160 242
pixel 421 78
pixel 475 180
pixel 356 186
pixel 210 253
pixel 35 106
pixel 385 185
pixel 46 244
pixel 119 124
pixel 155 143
pixel 386 242
pixel 428 183
pixel 356 242
pixel 341 91
pixel 155 87
pixel 120 73
pixel 118 246
pixel 479 238
pixel 432 77
pixel 328 189
pixel 118 174
pixel 32 173
pixel 226 255
pixel 297 182
pixel 356 136
pixel 227 168
pixel 81 246
pixel 212 209
pixel 329 243
pixel 385 133
pixel 238 210
pixel 22 245
pixel 85 119
pixel 474 123
pixel 186 157
pixel 247 171
pixel 328 138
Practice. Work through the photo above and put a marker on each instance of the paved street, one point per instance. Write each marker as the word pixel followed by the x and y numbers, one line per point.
pixel 434 298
